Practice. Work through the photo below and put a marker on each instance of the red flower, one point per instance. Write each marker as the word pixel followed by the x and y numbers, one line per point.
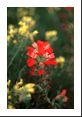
pixel 40 54
pixel 68 8
pixel 40 72
pixel 50 62
pixel 31 52
pixel 63 93
pixel 30 62
pixel 49 50
pixel 32 71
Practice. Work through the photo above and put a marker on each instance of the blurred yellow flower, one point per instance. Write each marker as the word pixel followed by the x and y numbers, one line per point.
pixel 60 60
pixel 8 38
pixel 21 23
pixel 35 32
pixel 11 31
pixel 16 87
pixel 30 87
pixel 9 97
pixel 52 33
pixel 14 41
pixel 31 90
pixel 8 83
pixel 24 25
pixel 23 29
pixel 10 106
pixel 20 82
pixel 28 21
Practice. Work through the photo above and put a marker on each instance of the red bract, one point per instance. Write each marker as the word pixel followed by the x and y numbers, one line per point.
pixel 69 8
pixel 31 52
pixel 32 71
pixel 63 92
pixel 30 62
pixel 40 55
pixel 40 72
pixel 50 62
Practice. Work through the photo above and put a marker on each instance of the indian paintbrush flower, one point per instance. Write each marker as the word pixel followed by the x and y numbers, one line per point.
pixel 40 54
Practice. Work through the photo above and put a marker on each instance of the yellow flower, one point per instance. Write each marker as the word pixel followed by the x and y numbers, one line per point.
pixel 20 82
pixel 9 97
pixel 31 90
pixel 35 32
pixel 60 60
pixel 23 29
pixel 11 30
pixel 10 106
pixel 30 87
pixel 21 23
pixel 14 41
pixel 8 83
pixel 27 19
pixel 16 87
pixel 8 38
pixel 50 34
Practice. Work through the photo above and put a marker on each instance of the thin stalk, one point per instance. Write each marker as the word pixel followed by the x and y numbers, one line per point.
pixel 12 59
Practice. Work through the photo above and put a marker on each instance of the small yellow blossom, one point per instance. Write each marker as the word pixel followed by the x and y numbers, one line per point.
pixel 14 41
pixel 8 83
pixel 60 60
pixel 50 34
pixel 16 87
pixel 11 31
pixel 21 23
pixel 30 87
pixel 31 90
pixel 8 38
pixel 27 19
pixel 10 106
pixel 35 32
pixel 23 29
pixel 9 97
pixel 20 82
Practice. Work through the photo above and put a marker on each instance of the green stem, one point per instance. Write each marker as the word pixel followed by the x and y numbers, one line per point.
pixel 15 54
pixel 21 72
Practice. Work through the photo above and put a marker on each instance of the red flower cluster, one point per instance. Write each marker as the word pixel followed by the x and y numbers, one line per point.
pixel 69 8
pixel 62 95
pixel 40 55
